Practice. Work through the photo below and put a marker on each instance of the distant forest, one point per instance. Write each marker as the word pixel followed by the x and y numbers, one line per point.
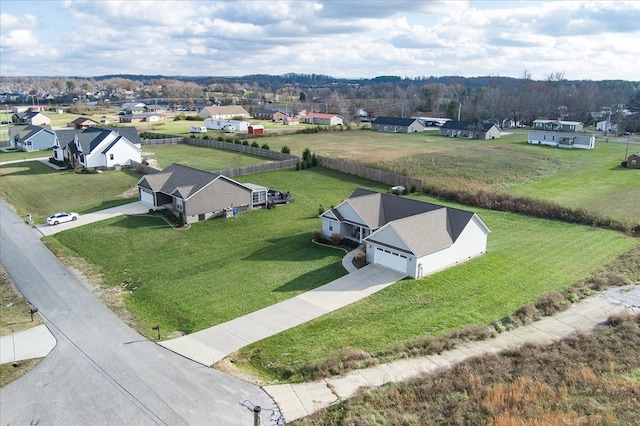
pixel 469 98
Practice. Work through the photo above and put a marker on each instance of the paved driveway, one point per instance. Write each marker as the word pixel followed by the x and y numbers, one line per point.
pixel 212 344
pixel 137 207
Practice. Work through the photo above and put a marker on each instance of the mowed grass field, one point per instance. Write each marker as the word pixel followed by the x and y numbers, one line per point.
pixel 199 157
pixel 35 188
pixel 525 258
pixel 592 180
pixel 223 268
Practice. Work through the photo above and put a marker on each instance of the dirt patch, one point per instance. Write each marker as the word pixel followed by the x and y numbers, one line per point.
pixel 227 366
pixel 129 193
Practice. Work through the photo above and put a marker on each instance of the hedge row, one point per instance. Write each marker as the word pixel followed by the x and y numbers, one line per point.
pixel 532 207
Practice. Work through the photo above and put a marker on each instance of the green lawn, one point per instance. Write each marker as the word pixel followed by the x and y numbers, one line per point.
pixel 223 268
pixel 588 179
pixel 33 187
pixel 526 258
pixel 13 155
pixel 200 157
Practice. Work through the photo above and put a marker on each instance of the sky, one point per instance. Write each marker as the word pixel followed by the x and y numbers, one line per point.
pixel 582 40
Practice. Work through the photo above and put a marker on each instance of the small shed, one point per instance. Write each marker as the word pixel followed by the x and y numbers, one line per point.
pixel 256 129
pixel 633 162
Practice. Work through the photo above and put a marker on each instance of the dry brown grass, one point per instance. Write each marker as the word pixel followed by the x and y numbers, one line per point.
pixel 15 310
pixel 586 379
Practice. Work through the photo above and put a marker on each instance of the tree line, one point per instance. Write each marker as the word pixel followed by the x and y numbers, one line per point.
pixel 521 99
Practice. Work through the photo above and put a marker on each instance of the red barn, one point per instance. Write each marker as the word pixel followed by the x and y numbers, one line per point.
pixel 256 129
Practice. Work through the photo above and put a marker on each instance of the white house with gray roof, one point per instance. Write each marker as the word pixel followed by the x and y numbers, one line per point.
pixel 98 147
pixel 407 235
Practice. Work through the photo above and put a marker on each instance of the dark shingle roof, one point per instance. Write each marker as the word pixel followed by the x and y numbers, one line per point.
pixel 467 125
pixel 395 121
pixel 90 137
pixel 187 180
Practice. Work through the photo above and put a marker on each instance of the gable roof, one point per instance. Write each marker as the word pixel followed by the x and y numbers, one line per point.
pixel 26 131
pixel 28 114
pixel 183 181
pixel 226 110
pixel 84 121
pixel 424 227
pixel 91 137
pixel 395 121
pixel 467 125
pixel 320 115
pixel 271 111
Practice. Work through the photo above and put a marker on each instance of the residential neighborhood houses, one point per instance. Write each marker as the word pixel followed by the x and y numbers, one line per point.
pixel 407 235
pixel 97 147
pixel 471 130
pixel 397 125
pixel 31 138
pixel 198 195
pixel 561 134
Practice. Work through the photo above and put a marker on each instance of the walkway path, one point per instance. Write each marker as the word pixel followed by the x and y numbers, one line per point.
pixel 212 344
pixel 34 342
pixel 300 400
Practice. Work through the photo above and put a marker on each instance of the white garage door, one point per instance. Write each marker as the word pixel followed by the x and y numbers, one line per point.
pixel 391 259
pixel 146 196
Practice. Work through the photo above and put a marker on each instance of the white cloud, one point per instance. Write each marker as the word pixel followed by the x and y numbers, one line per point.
pixel 341 38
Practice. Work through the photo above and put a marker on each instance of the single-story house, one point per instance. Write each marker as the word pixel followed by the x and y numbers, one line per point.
pixel 397 125
pixel 562 139
pixel 291 121
pixel 82 123
pixel 227 111
pixel 407 235
pixel 198 194
pixel 31 138
pixel 470 129
pixel 133 106
pixel 256 129
pixel 606 126
pixel 140 117
pixel 98 147
pixel 270 114
pixel 35 118
pixel 633 162
pixel 323 119
pixel 557 125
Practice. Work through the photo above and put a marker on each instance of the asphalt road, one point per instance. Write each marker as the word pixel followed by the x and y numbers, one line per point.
pixel 101 371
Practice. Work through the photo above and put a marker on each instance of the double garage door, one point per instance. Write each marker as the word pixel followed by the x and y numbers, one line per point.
pixel 391 259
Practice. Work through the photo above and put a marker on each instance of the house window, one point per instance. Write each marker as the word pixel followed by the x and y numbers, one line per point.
pixel 330 226
pixel 110 156
pixel 179 204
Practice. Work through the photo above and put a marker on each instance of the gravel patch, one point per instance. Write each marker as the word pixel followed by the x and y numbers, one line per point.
pixel 626 296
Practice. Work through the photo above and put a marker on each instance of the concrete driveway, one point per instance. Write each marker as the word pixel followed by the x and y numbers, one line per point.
pixel 212 344
pixel 136 207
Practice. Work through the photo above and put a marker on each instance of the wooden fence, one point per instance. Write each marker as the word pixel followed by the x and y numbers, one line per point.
pixel 283 161
pixel 377 175
pixel 246 149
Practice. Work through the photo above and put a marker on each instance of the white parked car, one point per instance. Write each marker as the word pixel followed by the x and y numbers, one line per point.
pixel 61 217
